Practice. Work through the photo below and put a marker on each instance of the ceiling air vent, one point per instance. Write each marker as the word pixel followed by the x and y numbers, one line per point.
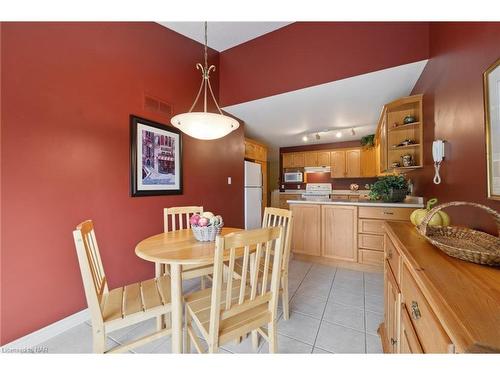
pixel 156 105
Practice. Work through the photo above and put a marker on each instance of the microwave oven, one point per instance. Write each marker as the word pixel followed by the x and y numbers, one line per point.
pixel 293 176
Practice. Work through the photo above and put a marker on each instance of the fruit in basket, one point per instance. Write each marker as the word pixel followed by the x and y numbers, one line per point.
pixel 203 222
pixel 439 219
pixel 193 220
pixel 207 214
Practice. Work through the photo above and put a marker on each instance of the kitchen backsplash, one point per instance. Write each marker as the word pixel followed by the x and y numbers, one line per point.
pixel 337 183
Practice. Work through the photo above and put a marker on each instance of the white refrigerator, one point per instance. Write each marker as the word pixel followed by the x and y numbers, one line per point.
pixel 253 195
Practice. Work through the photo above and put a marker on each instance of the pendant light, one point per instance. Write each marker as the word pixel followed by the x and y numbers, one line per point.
pixel 205 125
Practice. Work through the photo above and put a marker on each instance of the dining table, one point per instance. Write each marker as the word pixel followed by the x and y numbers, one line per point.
pixel 178 249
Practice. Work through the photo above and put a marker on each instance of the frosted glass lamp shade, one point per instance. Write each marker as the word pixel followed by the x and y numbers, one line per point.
pixel 205 125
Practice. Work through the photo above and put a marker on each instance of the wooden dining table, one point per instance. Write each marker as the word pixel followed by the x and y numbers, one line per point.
pixel 178 249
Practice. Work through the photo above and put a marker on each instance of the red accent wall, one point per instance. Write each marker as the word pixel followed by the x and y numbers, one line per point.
pixel 67 92
pixel 452 84
pixel 305 54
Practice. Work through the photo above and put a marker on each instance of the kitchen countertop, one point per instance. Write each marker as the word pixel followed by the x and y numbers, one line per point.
pixel 334 192
pixel 410 202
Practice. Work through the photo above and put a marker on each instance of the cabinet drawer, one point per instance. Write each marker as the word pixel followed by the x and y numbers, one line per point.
pixel 371 241
pixel 371 226
pixel 372 257
pixel 393 258
pixel 385 213
pixel 430 332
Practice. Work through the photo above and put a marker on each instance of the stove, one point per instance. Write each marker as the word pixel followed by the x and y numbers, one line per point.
pixel 319 191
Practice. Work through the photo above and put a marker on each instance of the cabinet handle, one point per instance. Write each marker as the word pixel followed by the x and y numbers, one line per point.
pixel 393 342
pixel 415 311
pixel 389 255
pixel 388 213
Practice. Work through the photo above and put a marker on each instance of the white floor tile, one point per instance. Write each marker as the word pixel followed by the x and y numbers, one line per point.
pixel 373 321
pixel 374 303
pixel 338 339
pixel 374 277
pixel 317 350
pixel 75 340
pixel 287 345
pixel 347 316
pixel 349 285
pixel 244 347
pixel 345 297
pixel 299 327
pixel 314 289
pixel 308 305
pixel 373 344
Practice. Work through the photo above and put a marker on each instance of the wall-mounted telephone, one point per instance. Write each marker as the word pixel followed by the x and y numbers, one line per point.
pixel 438 156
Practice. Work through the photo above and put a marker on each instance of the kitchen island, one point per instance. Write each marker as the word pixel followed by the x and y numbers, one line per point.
pixel 345 232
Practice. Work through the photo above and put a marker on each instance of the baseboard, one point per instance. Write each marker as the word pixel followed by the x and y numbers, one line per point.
pixel 43 334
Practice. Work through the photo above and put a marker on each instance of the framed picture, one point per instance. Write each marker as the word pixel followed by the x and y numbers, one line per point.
pixel 156 158
pixel 492 121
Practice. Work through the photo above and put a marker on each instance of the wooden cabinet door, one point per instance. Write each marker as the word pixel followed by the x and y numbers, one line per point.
pixel 353 163
pixel 311 159
pixel 287 160
pixel 340 228
pixel 306 232
pixel 392 298
pixel 299 159
pixel 368 162
pixel 323 159
pixel 409 343
pixel 337 164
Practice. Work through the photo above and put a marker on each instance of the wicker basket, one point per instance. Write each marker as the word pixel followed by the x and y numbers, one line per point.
pixel 464 243
pixel 207 233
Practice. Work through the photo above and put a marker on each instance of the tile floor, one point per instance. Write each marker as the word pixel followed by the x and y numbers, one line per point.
pixel 333 310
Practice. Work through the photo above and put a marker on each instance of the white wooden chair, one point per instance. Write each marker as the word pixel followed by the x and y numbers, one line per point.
pixel 175 218
pixel 235 307
pixel 117 308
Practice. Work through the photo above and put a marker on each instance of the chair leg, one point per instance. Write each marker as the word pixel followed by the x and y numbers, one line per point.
pixel 284 298
pixel 187 349
pixel 99 341
pixel 273 337
pixel 255 341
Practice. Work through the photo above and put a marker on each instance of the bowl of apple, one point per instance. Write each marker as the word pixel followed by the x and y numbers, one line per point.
pixel 206 226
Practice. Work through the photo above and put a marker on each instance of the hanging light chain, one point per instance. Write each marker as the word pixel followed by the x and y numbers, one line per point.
pixel 205 85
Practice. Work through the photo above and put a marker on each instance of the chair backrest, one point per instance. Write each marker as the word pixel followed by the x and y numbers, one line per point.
pixel 94 279
pixel 279 217
pixel 236 295
pixel 178 217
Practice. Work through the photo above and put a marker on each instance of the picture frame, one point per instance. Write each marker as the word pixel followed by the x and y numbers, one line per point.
pixel 155 158
pixel 491 86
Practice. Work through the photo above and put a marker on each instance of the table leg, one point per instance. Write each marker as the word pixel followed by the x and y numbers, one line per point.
pixel 159 271
pixel 176 295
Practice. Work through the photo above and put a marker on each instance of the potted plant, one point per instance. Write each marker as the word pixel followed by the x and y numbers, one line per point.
pixel 391 188
pixel 368 141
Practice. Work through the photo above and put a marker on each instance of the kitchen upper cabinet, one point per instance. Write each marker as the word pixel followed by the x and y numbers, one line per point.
pixel 287 160
pixel 299 160
pixel 353 163
pixel 337 160
pixel 306 232
pixel 255 150
pixel 368 162
pixel 317 159
pixel 339 232
pixel 311 159
pixel 323 159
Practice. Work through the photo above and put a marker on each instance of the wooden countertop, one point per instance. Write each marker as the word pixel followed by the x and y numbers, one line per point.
pixel 465 296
